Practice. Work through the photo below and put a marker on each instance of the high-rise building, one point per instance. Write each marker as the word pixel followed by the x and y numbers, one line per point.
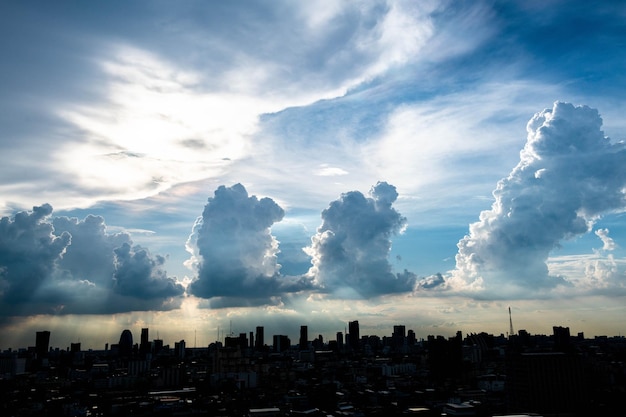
pixel 339 341
pixel 144 347
pixel 399 336
pixel 260 338
pixel 42 342
pixel 561 338
pixel 304 338
pixel 179 349
pixel 281 343
pixel 125 345
pixel 353 329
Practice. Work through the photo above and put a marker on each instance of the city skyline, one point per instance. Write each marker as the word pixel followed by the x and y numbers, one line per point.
pixel 147 337
pixel 187 166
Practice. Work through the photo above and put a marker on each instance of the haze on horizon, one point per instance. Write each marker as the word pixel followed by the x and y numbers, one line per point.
pixel 186 166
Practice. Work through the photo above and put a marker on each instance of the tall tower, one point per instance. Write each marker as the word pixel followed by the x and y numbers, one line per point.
pixel 42 341
pixel 353 328
pixel 260 337
pixel 144 346
pixel 304 338
pixel 511 332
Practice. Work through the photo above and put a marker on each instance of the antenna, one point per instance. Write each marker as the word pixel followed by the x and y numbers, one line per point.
pixel 511 332
pixel 194 339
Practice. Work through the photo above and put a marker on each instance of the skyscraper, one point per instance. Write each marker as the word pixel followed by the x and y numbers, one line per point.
pixel 42 342
pixel 353 329
pixel 304 338
pixel 144 347
pixel 259 340
pixel 340 340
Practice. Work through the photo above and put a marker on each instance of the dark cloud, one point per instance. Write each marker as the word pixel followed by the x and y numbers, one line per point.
pixel 91 255
pixel 28 252
pixel 142 275
pixel 65 265
pixel 351 248
pixel 569 174
pixel 234 251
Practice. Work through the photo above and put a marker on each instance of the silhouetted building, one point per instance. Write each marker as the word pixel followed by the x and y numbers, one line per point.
pixel 179 349
pixel 75 347
pixel 304 338
pixel 353 329
pixel 281 343
pixel 251 342
pixel 158 345
pixel 398 336
pixel 411 339
pixel 144 346
pixel 340 340
pixel 125 345
pixel 260 337
pixel 561 338
pixel 42 343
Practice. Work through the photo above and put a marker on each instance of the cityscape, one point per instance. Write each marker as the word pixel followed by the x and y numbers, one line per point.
pixel 312 208
pixel 254 374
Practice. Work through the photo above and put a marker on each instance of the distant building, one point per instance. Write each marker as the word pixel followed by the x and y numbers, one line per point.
pixel 144 346
pixel 125 345
pixel 281 343
pixel 340 340
pixel 42 343
pixel 260 337
pixel 561 338
pixel 179 349
pixel 353 329
pixel 304 338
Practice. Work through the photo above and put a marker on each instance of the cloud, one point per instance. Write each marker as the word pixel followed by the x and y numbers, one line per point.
pixel 234 252
pixel 28 251
pixel 139 273
pixel 351 248
pixel 433 281
pixel 65 265
pixel 569 174
pixel 608 243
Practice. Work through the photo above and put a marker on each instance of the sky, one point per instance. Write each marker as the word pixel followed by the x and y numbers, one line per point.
pixel 203 168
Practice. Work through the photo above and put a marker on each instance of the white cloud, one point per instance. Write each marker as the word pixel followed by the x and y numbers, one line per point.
pixel 583 177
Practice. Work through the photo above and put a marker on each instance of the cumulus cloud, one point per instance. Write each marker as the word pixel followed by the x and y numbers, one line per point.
pixel 351 248
pixel 139 273
pixel 66 265
pixel 608 243
pixel 234 252
pixel 28 252
pixel 569 174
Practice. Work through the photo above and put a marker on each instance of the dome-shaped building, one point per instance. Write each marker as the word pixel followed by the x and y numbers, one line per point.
pixel 126 343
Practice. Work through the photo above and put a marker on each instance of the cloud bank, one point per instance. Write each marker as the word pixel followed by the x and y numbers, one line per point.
pixel 65 265
pixel 569 174
pixel 351 247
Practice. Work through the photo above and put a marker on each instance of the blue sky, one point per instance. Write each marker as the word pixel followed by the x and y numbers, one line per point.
pixel 184 166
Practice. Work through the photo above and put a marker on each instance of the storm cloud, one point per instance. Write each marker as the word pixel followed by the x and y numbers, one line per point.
pixel 234 252
pixel 569 174
pixel 65 265
pixel 351 248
